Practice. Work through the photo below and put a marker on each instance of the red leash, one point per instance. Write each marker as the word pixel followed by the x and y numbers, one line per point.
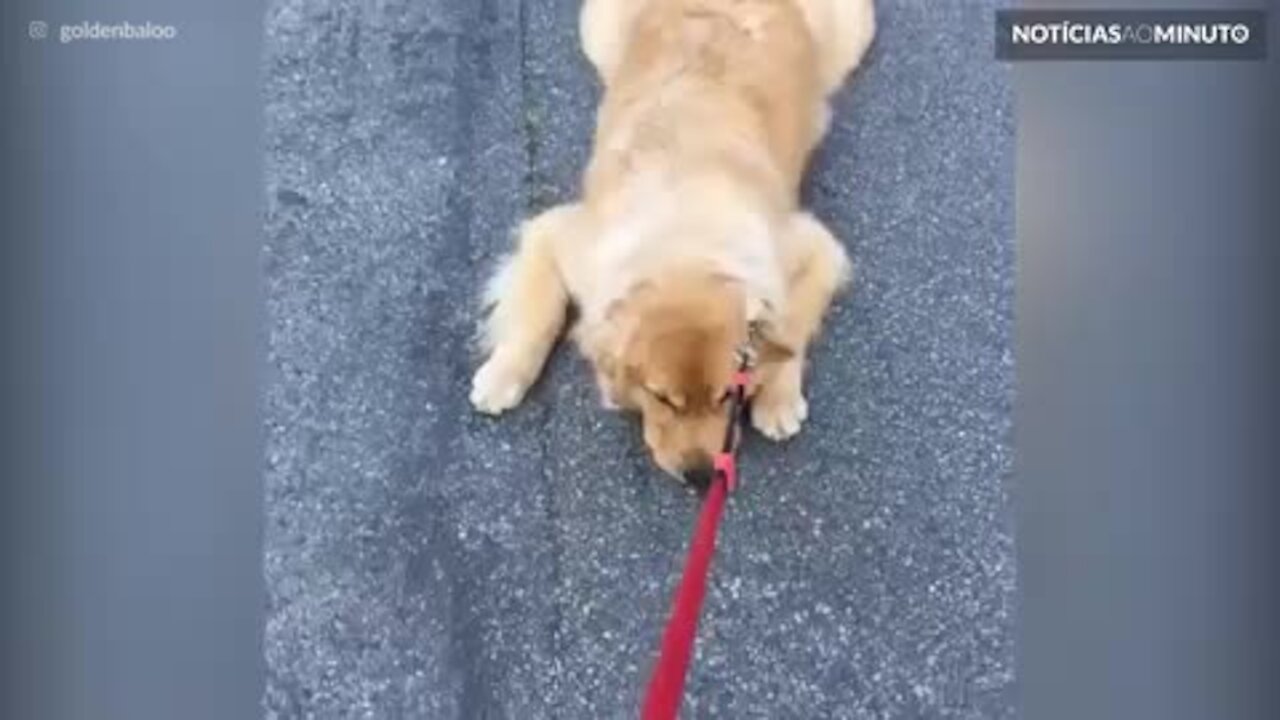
pixel 666 687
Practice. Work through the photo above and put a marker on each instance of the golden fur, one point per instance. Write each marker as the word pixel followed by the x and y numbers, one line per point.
pixel 689 226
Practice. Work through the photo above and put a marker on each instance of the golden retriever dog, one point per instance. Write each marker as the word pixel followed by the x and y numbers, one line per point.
pixel 688 244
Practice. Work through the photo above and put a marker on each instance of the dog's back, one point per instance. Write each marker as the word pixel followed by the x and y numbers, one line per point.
pixel 711 87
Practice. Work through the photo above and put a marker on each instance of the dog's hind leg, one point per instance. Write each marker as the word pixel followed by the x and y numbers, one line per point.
pixel 529 301
pixel 844 30
pixel 605 26
pixel 818 268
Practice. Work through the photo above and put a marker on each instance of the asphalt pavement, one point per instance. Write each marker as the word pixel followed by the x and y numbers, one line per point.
pixel 424 561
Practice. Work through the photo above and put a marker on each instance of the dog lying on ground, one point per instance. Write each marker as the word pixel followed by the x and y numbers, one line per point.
pixel 688 243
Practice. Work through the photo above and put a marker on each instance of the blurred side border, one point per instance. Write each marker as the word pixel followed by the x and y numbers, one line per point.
pixel 1146 411
pixel 132 352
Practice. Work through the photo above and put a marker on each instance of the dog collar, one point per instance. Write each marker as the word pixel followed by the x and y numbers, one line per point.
pixel 748 352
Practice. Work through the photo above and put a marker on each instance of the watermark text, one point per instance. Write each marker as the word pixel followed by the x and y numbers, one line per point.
pixel 101 31
pixel 1130 35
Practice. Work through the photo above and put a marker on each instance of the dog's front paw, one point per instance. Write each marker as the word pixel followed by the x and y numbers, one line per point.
pixel 779 416
pixel 498 387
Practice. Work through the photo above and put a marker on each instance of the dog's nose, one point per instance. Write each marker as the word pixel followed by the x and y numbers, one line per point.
pixel 698 470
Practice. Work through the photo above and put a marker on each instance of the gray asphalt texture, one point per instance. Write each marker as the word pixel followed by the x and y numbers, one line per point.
pixel 426 562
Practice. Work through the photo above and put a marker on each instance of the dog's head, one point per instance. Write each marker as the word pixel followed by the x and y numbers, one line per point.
pixel 669 349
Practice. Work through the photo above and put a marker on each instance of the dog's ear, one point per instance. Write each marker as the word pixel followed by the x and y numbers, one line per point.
pixel 596 341
pixel 603 336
